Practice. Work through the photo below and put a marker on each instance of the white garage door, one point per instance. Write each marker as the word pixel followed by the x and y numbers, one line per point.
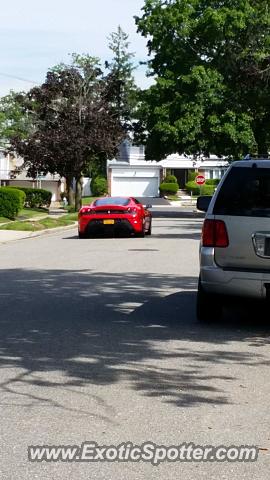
pixel 135 186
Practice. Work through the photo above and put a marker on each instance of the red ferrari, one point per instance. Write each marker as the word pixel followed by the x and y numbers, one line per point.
pixel 114 215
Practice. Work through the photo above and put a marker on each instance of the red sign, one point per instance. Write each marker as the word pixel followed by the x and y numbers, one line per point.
pixel 200 180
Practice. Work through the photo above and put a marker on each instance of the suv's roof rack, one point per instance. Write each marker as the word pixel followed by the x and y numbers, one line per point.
pixel 257 157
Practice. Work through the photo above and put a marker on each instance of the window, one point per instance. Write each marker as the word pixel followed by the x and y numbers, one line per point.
pixel 245 192
pixel 112 201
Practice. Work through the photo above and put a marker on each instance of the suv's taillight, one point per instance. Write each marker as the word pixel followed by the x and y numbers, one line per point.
pixel 214 234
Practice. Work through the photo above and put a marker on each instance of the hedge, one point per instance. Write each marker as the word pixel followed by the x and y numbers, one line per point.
pixel 99 186
pixel 213 181
pixel 168 188
pixel 11 202
pixel 195 189
pixel 170 179
pixel 36 197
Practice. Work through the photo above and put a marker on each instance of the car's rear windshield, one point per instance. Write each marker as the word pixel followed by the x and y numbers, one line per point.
pixel 245 192
pixel 120 201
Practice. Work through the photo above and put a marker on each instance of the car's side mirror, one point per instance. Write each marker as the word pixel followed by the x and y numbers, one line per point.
pixel 203 202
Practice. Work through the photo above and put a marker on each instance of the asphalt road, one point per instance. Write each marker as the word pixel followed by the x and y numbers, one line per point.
pixel 99 342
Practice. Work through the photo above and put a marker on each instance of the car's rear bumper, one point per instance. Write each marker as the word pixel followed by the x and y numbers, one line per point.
pixel 232 282
pixel 97 226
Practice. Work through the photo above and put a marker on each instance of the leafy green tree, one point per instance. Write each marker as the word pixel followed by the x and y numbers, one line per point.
pixel 122 68
pixel 211 62
pixel 75 122
pixel 13 121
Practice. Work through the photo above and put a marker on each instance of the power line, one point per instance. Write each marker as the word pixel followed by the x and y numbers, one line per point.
pixel 22 79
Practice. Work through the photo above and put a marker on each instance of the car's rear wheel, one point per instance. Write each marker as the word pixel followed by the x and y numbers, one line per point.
pixel 141 234
pixel 149 231
pixel 209 305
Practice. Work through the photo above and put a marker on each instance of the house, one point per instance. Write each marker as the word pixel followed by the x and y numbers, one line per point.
pixel 131 175
pixel 13 174
pixel 179 165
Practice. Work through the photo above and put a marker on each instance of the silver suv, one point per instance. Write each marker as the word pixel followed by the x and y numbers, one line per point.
pixel 235 244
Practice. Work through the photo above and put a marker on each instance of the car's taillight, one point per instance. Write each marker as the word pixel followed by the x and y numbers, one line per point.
pixel 133 210
pixel 86 211
pixel 214 234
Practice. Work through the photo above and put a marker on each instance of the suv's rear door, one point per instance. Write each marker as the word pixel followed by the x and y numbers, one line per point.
pixel 243 203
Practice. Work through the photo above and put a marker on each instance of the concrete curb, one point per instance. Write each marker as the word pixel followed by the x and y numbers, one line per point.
pixel 39 233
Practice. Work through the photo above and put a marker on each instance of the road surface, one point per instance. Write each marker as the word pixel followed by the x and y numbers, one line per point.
pixel 99 342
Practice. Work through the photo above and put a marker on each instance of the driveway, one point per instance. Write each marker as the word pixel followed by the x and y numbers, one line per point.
pixel 154 201
pixel 99 342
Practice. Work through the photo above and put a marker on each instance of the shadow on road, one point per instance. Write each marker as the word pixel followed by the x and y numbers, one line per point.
pixel 99 328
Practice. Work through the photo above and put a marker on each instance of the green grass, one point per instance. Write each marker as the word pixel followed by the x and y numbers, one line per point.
pixel 88 200
pixel 27 213
pixel 32 213
pixel 23 221
pixel 4 220
pixel 173 197
pixel 72 216
pixel 22 226
pixel 85 201
pixel 43 224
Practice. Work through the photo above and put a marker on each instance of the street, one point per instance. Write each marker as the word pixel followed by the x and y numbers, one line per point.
pixel 99 342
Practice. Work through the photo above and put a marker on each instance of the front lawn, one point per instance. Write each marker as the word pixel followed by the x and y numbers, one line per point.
pixel 43 224
pixel 26 213
pixel 88 200
pixel 32 213
pixel 173 198
pixel 4 220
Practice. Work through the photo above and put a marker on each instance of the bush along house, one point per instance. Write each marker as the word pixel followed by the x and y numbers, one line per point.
pixel 12 173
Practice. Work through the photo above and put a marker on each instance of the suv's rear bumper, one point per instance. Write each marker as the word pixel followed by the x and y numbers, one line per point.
pixel 246 283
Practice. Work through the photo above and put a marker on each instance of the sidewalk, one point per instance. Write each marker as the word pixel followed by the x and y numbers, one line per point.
pixel 13 235
pixel 9 235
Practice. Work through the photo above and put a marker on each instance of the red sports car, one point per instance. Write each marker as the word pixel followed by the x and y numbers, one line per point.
pixel 114 215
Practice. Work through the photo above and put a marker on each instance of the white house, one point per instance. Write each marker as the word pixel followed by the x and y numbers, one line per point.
pixel 131 175
pixel 179 165
pixel 13 174
pixel 5 167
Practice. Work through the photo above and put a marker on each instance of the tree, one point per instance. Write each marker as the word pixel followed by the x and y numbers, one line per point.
pixel 122 67
pixel 211 62
pixel 75 121
pixel 13 121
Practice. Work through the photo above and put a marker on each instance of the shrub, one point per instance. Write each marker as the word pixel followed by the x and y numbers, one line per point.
pixel 71 209
pixel 168 188
pixel 213 181
pixel 11 202
pixel 36 197
pixel 192 175
pixel 99 186
pixel 170 179
pixel 195 189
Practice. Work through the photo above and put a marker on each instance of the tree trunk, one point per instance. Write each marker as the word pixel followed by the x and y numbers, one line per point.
pixel 261 136
pixel 263 149
pixel 78 193
pixel 70 191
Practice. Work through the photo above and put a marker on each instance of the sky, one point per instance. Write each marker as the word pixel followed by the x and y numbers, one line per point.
pixel 36 35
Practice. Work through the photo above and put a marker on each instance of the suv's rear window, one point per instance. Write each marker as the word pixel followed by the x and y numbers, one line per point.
pixel 245 192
